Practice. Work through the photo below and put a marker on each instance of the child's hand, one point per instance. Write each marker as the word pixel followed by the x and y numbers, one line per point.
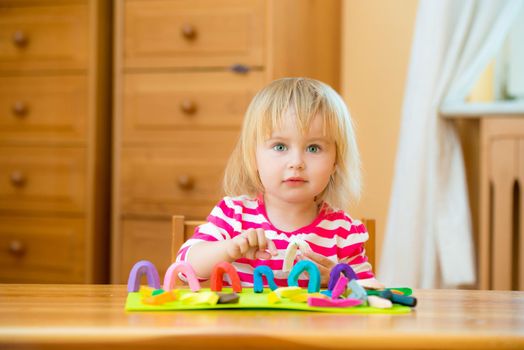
pixel 251 244
pixel 324 265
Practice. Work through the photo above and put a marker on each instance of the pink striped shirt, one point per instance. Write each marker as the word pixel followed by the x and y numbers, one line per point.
pixel 333 234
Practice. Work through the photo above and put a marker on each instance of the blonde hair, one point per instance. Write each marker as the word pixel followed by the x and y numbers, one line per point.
pixel 308 98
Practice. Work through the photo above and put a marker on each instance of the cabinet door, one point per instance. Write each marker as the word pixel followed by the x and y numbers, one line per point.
pixel 43 249
pixel 52 109
pixel 158 104
pixel 194 33
pixel 43 179
pixel 184 178
pixel 43 37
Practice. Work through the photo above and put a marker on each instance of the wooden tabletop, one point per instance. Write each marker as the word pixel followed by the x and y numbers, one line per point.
pixel 84 316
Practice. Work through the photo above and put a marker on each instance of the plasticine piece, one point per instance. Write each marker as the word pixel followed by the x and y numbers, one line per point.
pixel 289 257
pixel 157 291
pixel 210 298
pixel 346 269
pixel 371 283
pixel 314 275
pixel 218 274
pixel 140 268
pixel 339 288
pixel 378 302
pixel 399 299
pixel 184 268
pixel 326 292
pixel 404 291
pixel 287 292
pixel 273 298
pixel 321 302
pixel 159 299
pixel 258 283
pixel 302 298
pixel 291 252
pixel 303 246
pixel 228 298
pixel 146 291
pixel 357 291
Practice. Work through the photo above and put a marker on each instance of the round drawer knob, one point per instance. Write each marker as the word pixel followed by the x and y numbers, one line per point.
pixel 188 107
pixel 16 247
pixel 185 182
pixel 188 32
pixel 18 178
pixel 20 39
pixel 20 108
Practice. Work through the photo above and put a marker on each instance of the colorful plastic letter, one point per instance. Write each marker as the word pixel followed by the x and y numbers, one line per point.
pixel 258 283
pixel 140 268
pixel 181 267
pixel 337 270
pixel 314 275
pixel 218 274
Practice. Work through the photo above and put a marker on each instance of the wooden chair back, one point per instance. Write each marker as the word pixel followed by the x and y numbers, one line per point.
pixel 183 230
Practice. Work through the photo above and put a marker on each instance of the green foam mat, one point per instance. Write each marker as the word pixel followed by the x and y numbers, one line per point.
pixel 251 300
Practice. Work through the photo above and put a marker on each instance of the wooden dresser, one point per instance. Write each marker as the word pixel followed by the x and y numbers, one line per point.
pixel 54 140
pixel 185 71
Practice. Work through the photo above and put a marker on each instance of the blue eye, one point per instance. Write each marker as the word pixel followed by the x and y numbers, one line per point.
pixel 279 147
pixel 313 148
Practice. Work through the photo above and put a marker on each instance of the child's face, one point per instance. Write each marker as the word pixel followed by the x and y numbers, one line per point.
pixel 295 168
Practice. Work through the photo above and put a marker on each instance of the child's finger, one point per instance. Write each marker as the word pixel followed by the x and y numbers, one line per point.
pixel 262 254
pixel 261 237
pixel 243 245
pixel 252 238
pixel 320 259
pixel 272 247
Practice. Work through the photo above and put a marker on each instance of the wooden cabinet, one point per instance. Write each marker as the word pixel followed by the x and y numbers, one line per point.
pixel 54 140
pixel 185 71
pixel 501 241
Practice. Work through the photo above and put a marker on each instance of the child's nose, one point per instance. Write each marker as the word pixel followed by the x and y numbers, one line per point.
pixel 296 161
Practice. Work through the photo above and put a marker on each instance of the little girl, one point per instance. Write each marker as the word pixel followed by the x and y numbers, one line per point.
pixel 292 175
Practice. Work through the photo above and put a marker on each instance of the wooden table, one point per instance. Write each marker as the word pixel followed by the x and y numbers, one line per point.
pixel 84 316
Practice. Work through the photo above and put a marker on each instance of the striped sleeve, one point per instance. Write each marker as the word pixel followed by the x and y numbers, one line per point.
pixel 351 237
pixel 221 224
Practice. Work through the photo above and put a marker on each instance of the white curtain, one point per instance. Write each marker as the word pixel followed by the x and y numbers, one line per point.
pixel 428 239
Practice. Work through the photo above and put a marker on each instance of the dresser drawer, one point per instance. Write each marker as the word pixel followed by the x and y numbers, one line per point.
pixel 145 240
pixel 184 179
pixel 42 179
pixel 194 33
pixel 43 37
pixel 43 250
pixel 155 105
pixel 43 108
